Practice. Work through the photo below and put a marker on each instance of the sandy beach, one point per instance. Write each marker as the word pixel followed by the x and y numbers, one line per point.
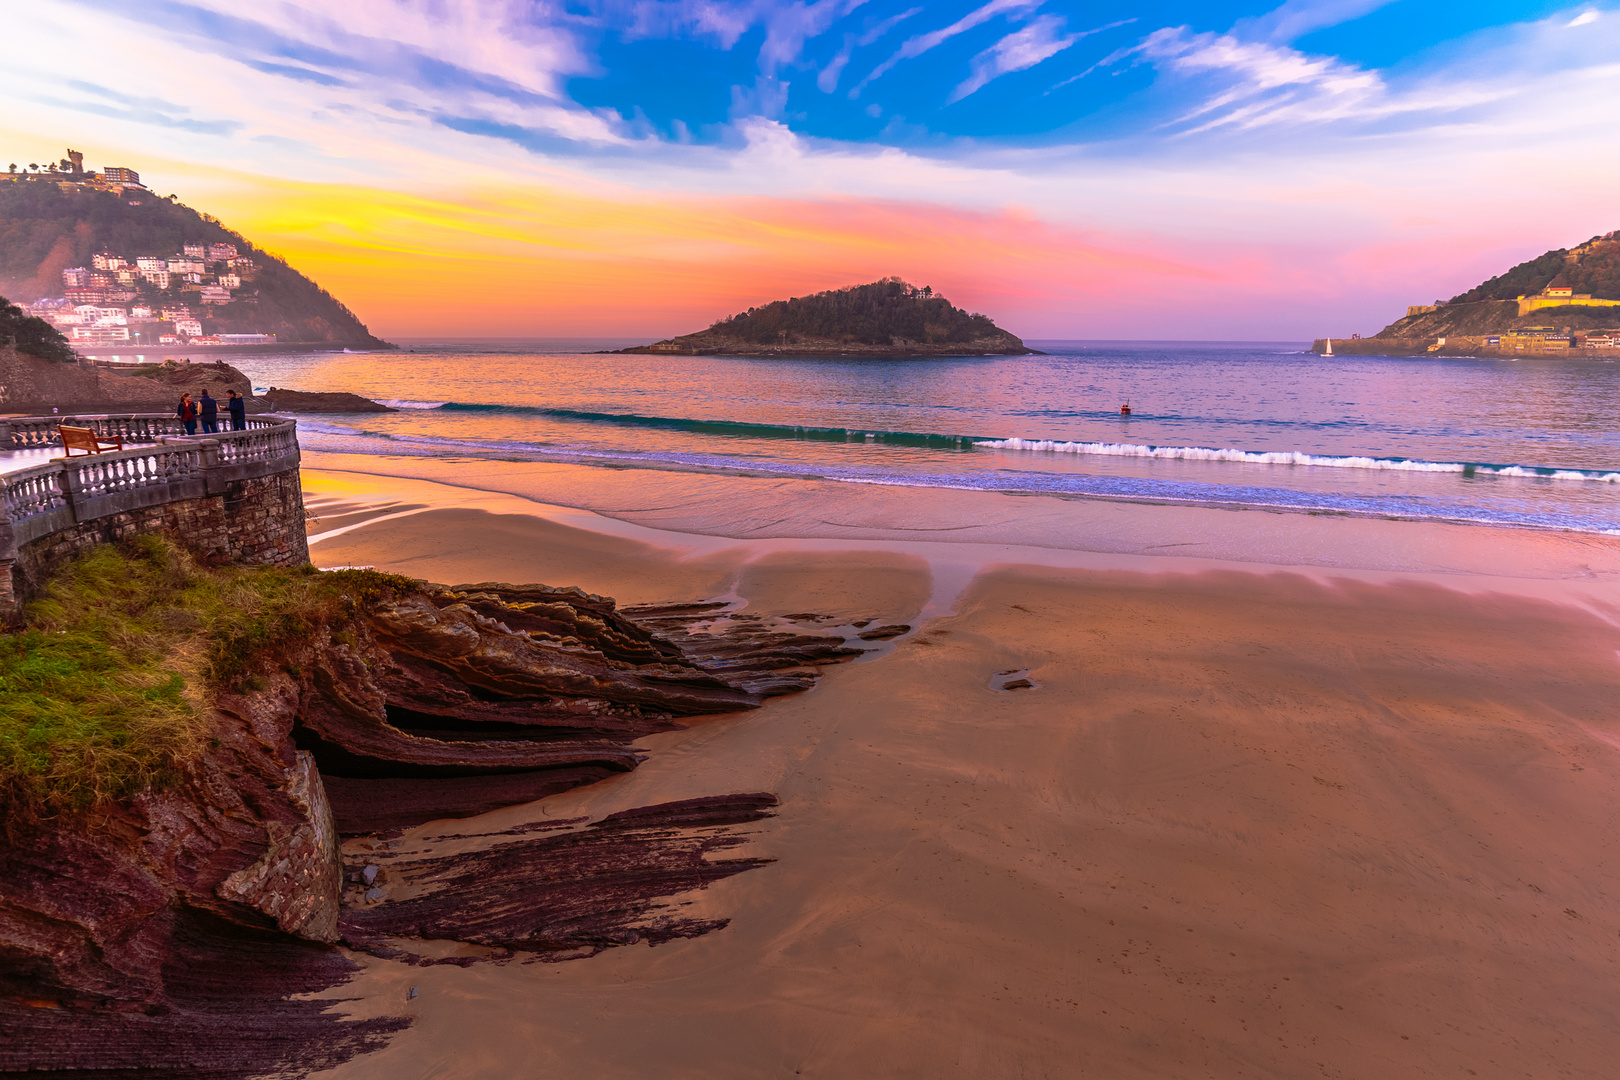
pixel 1335 800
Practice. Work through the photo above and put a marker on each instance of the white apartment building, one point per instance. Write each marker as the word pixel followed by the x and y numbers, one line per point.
pixel 188 327
pixel 230 281
pixel 160 278
pixel 106 260
pixel 100 335
pixel 151 262
pixel 213 294
pixel 197 251
pixel 186 265
pixel 76 278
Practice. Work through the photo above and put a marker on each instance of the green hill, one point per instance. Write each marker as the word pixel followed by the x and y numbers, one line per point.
pixel 1592 267
pixel 1491 308
pixel 45 230
pixel 883 318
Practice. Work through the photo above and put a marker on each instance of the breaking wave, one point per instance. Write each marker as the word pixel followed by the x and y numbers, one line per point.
pixel 1294 457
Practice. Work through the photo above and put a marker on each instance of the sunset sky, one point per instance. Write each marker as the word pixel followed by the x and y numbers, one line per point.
pixel 1102 170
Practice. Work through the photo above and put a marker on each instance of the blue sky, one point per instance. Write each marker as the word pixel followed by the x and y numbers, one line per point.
pixel 1028 73
pixel 1338 157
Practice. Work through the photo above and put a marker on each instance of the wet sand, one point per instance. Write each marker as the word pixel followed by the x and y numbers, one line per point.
pixel 1247 822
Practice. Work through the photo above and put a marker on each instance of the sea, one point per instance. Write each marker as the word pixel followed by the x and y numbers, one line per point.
pixel 1266 425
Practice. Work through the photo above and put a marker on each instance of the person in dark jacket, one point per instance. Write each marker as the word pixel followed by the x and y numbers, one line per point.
pixel 208 413
pixel 237 404
pixel 187 412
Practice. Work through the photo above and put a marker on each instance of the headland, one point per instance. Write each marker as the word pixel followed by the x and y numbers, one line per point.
pixel 118 268
pixel 1563 303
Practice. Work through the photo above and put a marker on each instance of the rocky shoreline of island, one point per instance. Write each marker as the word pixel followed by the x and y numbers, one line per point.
pixel 807 348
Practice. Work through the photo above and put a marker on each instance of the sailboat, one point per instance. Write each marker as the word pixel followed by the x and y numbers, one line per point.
pixel 1329 348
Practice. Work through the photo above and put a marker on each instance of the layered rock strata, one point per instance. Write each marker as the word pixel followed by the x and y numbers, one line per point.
pixel 132 940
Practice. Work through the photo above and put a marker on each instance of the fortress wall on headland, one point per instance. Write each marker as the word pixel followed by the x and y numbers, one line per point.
pixel 1527 304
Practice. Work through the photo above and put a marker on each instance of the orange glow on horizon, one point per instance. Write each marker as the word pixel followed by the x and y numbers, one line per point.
pixel 552 262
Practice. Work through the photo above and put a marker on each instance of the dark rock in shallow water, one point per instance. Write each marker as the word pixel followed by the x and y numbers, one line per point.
pixel 307 401
pixel 570 895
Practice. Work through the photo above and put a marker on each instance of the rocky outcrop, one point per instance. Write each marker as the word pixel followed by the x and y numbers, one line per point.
pixel 563 896
pixel 31 386
pixel 117 933
pixel 309 401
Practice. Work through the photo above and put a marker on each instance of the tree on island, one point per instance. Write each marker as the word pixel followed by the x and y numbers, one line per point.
pixel 874 314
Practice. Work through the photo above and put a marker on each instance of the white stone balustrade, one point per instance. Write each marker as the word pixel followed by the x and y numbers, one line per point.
pixel 38 501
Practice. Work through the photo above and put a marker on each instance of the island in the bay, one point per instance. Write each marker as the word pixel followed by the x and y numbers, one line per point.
pixel 882 318
pixel 116 267
pixel 1565 302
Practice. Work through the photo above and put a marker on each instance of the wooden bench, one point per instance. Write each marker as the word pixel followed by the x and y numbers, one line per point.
pixel 83 438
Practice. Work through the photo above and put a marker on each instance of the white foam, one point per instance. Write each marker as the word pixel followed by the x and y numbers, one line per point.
pixel 1287 457
pixel 403 403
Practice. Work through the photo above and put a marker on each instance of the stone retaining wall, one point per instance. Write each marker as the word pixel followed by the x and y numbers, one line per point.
pixel 258 522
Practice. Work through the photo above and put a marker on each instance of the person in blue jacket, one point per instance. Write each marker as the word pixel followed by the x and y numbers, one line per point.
pixel 208 412
pixel 237 404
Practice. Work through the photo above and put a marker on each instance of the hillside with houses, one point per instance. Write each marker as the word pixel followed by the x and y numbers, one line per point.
pixel 111 264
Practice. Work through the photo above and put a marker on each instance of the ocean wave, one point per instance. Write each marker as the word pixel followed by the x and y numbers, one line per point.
pixel 1295 457
pixel 935 441
pixel 735 428
pixel 1063 485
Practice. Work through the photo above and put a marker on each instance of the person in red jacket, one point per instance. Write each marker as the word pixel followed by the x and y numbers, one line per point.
pixel 187 412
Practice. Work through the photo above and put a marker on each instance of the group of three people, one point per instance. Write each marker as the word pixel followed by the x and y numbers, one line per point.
pixel 206 410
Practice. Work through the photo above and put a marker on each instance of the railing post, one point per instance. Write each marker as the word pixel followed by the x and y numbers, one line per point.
pixel 67 481
pixel 5 435
pixel 212 481
pixel 8 561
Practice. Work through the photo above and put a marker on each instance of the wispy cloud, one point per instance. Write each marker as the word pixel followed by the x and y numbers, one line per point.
pixel 1021 49
pixel 916 46
pixel 1264 83
pixel 827 80
pixel 1296 18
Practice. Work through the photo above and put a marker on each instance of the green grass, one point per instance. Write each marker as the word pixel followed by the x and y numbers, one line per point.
pixel 107 689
